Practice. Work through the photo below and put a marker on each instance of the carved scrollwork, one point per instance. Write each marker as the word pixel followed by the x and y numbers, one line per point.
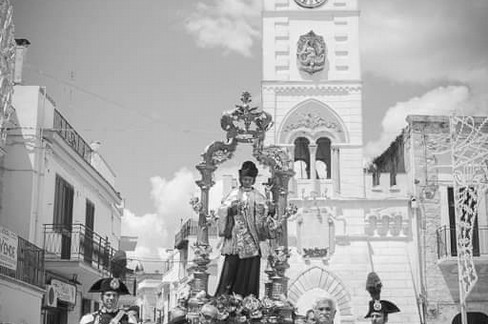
pixel 245 124
pixel 312 121
pixel 219 152
pixel 274 156
pixel 197 206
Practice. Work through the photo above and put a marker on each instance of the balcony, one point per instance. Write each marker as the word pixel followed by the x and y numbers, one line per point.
pixel 447 242
pixel 190 228
pixel 76 249
pixel 30 264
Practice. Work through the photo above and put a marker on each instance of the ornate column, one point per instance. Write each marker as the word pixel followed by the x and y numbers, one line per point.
pixel 277 285
pixel 313 172
pixel 336 178
pixel 199 281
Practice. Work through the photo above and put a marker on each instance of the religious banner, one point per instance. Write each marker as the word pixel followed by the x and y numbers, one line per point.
pixel 9 242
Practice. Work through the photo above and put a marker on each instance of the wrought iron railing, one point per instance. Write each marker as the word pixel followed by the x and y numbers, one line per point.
pixel 30 264
pixel 71 137
pixel 447 242
pixel 190 228
pixel 77 242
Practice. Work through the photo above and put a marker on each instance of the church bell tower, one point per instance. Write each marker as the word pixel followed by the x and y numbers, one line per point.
pixel 311 85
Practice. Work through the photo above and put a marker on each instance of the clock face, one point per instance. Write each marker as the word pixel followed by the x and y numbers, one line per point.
pixel 310 3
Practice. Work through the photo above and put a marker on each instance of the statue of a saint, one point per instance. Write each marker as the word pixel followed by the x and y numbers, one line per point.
pixel 242 224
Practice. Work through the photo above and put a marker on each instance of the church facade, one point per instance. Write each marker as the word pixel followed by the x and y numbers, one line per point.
pixel 349 222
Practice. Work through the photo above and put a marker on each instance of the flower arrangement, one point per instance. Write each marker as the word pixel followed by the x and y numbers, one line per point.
pixel 235 309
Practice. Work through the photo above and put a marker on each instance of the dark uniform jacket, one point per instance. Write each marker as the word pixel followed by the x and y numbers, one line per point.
pixel 104 317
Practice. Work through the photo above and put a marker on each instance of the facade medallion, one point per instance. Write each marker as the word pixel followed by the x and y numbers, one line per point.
pixel 310 3
pixel 311 53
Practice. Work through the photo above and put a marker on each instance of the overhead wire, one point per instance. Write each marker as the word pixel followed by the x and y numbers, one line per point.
pixel 151 118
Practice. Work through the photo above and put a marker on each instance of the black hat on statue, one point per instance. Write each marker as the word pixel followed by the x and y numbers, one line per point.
pixel 376 305
pixel 248 169
pixel 109 284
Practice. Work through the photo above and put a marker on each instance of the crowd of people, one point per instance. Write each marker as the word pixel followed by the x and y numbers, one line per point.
pixel 323 310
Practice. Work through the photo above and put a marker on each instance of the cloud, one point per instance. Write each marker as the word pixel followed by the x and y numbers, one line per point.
pixel 232 25
pixel 422 41
pixel 156 231
pixel 440 101
pixel 169 194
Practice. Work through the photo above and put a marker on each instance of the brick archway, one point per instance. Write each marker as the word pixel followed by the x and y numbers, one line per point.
pixel 317 277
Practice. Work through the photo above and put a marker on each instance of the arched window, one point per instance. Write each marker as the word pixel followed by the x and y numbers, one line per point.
pixel 322 158
pixel 302 158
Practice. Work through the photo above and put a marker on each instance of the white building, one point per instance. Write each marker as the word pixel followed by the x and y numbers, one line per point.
pixel 170 285
pixel 58 193
pixel 149 297
pixel 346 226
pixel 21 262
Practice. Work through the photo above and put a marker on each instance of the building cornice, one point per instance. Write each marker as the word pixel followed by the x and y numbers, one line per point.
pixel 293 13
pixel 331 87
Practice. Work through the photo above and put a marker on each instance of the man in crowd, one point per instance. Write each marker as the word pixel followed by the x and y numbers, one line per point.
pixel 379 310
pixel 110 289
pixel 325 310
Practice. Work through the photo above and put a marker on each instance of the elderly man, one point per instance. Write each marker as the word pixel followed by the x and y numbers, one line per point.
pixel 325 310
pixel 110 289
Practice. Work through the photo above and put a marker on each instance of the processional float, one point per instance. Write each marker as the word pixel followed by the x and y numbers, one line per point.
pixel 245 125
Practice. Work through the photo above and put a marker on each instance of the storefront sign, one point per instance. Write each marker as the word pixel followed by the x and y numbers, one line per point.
pixel 9 242
pixel 66 292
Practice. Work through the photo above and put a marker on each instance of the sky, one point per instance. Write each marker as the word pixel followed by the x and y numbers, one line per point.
pixel 150 79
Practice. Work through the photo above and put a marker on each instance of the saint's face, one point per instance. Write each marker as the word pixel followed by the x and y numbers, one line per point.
pixel 110 300
pixel 378 318
pixel 247 181
pixel 325 312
